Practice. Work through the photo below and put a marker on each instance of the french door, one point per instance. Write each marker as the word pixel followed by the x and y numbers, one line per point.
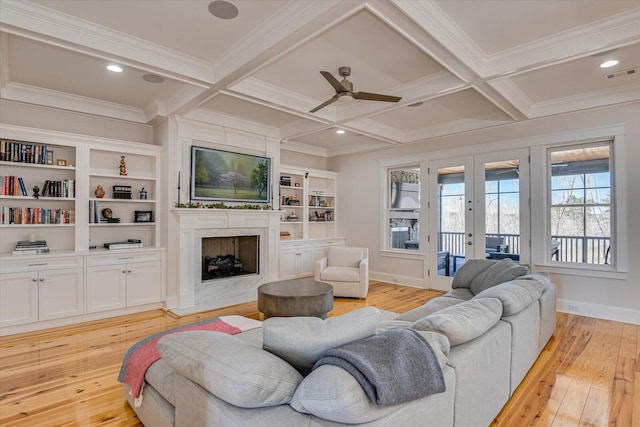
pixel 478 208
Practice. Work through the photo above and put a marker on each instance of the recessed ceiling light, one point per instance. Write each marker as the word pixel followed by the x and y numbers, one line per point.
pixel 416 104
pixel 609 63
pixel 152 78
pixel 114 68
pixel 223 9
pixel 340 131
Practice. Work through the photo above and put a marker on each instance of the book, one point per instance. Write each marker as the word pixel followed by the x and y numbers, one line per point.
pixel 29 243
pixel 22 186
pixel 122 245
pixel 31 251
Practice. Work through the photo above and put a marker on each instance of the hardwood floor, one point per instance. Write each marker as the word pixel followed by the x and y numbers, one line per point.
pixel 588 375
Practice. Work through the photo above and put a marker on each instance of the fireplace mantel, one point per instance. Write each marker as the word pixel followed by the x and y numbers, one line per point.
pixel 195 223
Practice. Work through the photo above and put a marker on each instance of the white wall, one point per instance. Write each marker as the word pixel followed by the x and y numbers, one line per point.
pixel 360 204
pixel 293 158
pixel 34 116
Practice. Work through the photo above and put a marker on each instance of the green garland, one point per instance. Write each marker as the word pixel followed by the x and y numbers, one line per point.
pixel 199 205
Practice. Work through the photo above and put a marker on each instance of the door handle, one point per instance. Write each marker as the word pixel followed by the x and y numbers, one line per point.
pixel 469 243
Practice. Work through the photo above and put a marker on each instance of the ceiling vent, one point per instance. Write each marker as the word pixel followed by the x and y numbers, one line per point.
pixel 629 72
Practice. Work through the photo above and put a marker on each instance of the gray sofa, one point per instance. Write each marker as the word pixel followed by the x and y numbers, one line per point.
pixel 487 332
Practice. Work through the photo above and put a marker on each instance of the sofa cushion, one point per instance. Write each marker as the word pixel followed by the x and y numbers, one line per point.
pixel 301 340
pixel 344 257
pixel 331 393
pixel 500 272
pixel 428 308
pixel 340 274
pixel 515 295
pixel 469 270
pixel 462 294
pixel 229 368
pixel 463 322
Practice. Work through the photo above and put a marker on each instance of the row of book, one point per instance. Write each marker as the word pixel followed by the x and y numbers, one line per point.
pixel 65 188
pixel 12 186
pixel 28 247
pixel 14 151
pixel 20 215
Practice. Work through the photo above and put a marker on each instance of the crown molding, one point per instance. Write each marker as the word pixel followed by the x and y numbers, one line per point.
pixel 300 147
pixel 608 33
pixel 65 101
pixel 512 93
pixel 601 98
pixel 31 20
pixel 428 15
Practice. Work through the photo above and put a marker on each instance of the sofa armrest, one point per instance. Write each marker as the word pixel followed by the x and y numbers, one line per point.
pixel 321 264
pixel 364 277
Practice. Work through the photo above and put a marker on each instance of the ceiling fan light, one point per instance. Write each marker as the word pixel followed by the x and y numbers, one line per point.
pixel 346 98
pixel 609 63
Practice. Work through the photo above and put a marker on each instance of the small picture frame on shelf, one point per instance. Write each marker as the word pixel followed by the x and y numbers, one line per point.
pixel 143 216
pixel 61 162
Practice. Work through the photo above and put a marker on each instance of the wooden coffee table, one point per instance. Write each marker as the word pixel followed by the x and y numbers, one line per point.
pixel 298 297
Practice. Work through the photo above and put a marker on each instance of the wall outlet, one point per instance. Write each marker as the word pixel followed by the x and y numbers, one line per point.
pixel 395 280
pixel 573 307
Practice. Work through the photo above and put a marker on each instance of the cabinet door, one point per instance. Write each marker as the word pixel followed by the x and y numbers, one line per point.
pixel 18 298
pixel 61 293
pixel 144 283
pixel 304 261
pixel 106 287
pixel 287 264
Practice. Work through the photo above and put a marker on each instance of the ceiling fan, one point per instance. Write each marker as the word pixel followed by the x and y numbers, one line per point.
pixel 344 89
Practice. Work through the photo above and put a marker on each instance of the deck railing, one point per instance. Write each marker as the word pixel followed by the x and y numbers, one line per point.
pixel 578 249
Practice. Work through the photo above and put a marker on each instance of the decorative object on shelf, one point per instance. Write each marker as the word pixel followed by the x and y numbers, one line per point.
pixel 61 162
pixel 292 201
pixel 293 217
pixel 143 216
pixel 285 235
pixel 285 181
pixel 123 166
pixel 36 192
pixel 99 192
pixel 50 157
pixel 297 184
pixel 129 244
pixel 107 213
pixel 143 194
pixel 122 192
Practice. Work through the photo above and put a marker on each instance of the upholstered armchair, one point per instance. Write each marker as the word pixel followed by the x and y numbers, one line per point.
pixel 346 269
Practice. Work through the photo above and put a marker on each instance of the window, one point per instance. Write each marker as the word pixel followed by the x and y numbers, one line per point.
pixel 404 208
pixel 581 204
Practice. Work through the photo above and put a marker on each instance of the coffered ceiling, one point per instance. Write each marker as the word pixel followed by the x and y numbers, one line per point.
pixel 467 64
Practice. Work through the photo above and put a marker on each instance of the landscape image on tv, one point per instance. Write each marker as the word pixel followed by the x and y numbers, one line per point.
pixel 227 176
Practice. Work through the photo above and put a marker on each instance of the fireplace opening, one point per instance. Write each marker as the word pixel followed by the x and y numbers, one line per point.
pixel 224 257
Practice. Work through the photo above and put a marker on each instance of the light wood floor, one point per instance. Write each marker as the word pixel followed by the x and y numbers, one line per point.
pixel 588 375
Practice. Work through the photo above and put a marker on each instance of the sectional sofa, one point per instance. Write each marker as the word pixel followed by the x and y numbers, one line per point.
pixel 486 334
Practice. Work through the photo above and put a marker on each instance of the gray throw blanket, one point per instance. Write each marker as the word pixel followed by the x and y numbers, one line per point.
pixel 392 367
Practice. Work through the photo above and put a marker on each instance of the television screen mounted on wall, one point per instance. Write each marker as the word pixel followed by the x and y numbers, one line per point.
pixel 218 175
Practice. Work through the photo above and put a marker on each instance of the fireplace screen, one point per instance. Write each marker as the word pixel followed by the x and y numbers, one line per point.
pixel 224 257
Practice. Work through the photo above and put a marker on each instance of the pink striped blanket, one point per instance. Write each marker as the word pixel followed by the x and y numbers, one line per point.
pixel 140 356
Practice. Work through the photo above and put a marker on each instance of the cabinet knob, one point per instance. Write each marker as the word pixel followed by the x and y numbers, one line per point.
pixel 34 279
pixel 124 271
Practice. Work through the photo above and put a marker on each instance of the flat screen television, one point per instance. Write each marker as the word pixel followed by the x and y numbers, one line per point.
pixel 218 175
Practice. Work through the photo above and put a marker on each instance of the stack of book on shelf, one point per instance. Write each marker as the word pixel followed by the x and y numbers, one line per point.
pixel 129 244
pixel 109 220
pixel 28 247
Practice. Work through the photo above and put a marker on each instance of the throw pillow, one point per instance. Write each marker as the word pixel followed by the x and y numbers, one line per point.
pixel 463 322
pixel 301 340
pixel 469 270
pixel 500 272
pixel 516 295
pixel 229 368
pixel 428 308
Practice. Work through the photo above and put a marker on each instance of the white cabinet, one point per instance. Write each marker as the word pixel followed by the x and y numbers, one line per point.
pixel 39 290
pixel 129 279
pixel 296 260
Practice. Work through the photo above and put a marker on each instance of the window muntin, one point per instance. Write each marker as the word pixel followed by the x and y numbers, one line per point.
pixel 404 208
pixel 581 203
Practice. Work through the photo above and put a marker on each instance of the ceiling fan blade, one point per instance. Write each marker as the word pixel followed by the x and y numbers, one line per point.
pixel 331 100
pixel 376 97
pixel 333 81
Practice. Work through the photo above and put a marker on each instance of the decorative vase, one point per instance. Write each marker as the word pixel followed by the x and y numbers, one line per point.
pixel 99 192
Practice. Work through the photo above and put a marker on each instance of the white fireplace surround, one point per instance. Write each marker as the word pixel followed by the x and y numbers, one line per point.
pixel 196 224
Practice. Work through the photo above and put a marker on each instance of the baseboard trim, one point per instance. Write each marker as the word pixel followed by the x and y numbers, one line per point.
pixel 599 311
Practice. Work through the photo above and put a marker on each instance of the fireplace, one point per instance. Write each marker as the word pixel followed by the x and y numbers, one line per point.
pixel 224 257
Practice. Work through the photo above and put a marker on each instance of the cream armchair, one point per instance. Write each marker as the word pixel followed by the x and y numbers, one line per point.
pixel 346 269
